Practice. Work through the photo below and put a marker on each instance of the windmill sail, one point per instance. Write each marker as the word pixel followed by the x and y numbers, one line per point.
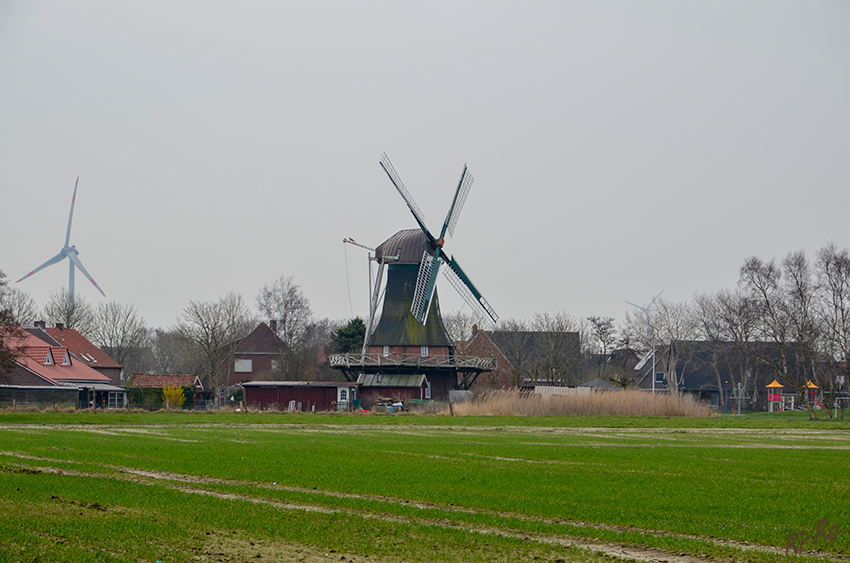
pixel 419 300
pixel 462 191
pixel 424 292
pixel 399 186
pixel 463 285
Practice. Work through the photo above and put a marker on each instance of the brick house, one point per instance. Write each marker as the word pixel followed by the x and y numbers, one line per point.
pixel 257 357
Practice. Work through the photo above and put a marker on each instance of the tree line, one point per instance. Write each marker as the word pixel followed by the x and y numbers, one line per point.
pixel 790 317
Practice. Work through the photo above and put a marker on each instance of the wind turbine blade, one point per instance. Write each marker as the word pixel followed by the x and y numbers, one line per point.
pixel 73 258
pixel 654 298
pixel 394 178
pixel 464 286
pixel 637 306
pixel 71 214
pixel 462 191
pixel 58 258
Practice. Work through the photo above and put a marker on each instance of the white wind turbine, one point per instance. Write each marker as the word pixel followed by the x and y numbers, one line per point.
pixel 71 253
pixel 646 311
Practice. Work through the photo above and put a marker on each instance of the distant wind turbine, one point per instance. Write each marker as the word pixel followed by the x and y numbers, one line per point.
pixel 69 252
pixel 646 311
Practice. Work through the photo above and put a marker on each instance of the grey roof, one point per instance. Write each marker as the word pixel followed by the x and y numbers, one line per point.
pixel 383 380
pixel 100 387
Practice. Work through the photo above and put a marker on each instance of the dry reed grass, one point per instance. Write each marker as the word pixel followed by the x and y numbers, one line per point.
pixel 626 402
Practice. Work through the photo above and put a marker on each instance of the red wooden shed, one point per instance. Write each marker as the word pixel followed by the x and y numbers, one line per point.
pixel 300 395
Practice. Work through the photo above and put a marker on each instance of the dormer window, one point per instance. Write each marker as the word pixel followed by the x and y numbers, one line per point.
pixel 66 361
pixel 48 361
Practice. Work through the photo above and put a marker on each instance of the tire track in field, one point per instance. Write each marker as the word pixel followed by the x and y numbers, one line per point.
pixel 180 482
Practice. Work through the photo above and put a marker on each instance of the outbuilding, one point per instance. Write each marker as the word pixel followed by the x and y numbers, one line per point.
pixel 376 388
pixel 301 395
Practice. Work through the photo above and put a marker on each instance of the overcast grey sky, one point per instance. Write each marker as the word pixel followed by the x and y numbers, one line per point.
pixel 618 148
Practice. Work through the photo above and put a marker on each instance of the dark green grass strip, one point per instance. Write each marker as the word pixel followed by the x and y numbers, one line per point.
pixel 785 420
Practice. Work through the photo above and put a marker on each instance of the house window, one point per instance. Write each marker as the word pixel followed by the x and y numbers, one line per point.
pixel 427 389
pixel 659 377
pixel 243 366
pixel 343 395
pixel 424 350
pixel 386 350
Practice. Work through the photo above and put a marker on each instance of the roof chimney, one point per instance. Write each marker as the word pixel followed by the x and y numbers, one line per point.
pixel 60 326
pixel 273 325
pixel 40 324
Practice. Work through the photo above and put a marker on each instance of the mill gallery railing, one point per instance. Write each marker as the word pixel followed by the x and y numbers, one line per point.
pixel 461 363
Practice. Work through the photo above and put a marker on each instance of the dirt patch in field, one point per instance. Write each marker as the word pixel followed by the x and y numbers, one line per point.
pixel 226 548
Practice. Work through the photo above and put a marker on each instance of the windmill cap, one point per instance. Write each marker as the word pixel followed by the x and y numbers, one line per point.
pixel 408 245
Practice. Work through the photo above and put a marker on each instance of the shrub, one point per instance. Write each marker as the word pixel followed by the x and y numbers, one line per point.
pixel 173 397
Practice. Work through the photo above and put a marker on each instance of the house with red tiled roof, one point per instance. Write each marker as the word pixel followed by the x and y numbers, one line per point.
pixel 257 357
pixel 145 389
pixel 160 380
pixel 82 350
pixel 46 370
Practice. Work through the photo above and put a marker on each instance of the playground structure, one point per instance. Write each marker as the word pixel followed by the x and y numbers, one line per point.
pixel 778 401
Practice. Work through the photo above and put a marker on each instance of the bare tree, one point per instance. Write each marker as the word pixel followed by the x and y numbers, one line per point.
pixel 284 302
pixel 72 312
pixel 460 328
pixel 21 305
pixel 666 323
pixel 119 331
pixel 560 356
pixel 169 352
pixel 212 329
pixel 8 328
pixel 603 336
pixel 305 362
pixel 513 340
pixel 777 299
pixel 833 271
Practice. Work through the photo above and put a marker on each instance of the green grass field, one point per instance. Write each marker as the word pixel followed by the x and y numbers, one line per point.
pixel 95 486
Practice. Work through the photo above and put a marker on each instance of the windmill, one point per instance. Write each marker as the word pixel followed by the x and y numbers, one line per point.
pixel 425 291
pixel 409 338
pixel 646 309
pixel 71 253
